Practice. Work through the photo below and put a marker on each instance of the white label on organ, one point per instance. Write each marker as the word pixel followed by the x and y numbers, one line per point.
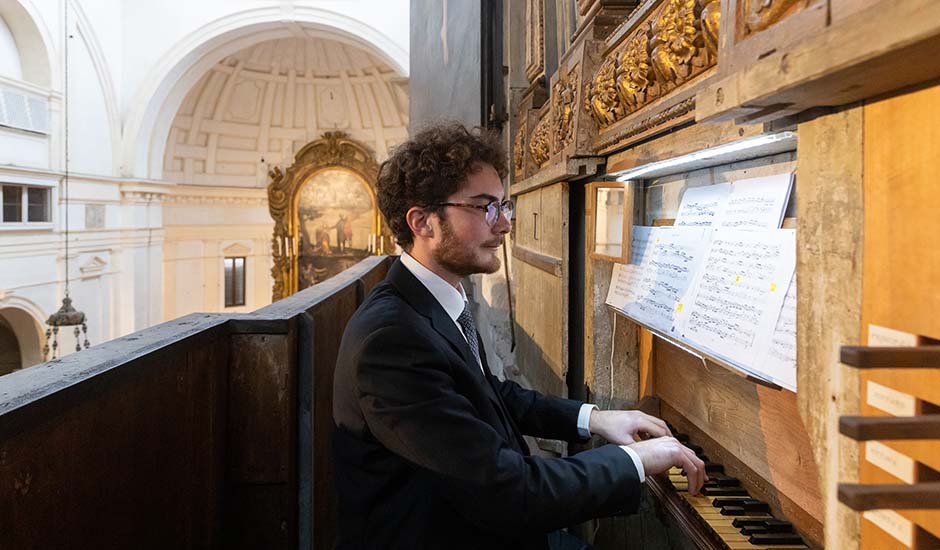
pixel 889 400
pixel 892 523
pixel 889 460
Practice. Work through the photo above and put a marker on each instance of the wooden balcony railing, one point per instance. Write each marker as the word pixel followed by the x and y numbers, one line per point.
pixel 208 431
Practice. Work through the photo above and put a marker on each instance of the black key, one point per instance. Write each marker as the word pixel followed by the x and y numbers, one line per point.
pixel 748 522
pixel 681 438
pixel 714 468
pixel 722 502
pixel 733 511
pixel 764 529
pixel 755 506
pixel 695 448
pixel 724 491
pixel 724 481
pixel 775 538
pixel 774 523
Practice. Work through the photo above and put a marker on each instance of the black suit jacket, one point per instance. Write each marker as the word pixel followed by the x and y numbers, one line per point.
pixel 429 449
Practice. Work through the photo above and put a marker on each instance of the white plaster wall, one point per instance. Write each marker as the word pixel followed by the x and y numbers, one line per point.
pixel 9 55
pixel 142 249
pixel 202 224
pixel 91 150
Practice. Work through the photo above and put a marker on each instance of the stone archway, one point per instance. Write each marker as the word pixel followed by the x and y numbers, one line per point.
pixel 27 333
pixel 335 151
pixel 10 358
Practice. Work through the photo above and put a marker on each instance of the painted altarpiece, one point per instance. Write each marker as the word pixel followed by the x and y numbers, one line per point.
pixel 326 218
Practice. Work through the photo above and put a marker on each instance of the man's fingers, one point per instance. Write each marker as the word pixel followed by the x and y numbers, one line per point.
pixel 694 469
pixel 653 426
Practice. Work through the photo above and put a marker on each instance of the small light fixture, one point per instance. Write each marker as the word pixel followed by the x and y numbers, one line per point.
pixel 67 316
pixel 735 151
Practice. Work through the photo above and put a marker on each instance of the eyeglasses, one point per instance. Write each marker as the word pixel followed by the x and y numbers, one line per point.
pixel 492 209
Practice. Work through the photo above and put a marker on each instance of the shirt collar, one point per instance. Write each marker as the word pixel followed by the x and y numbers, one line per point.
pixel 453 300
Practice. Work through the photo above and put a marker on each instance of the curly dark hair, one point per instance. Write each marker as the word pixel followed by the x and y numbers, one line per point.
pixel 431 166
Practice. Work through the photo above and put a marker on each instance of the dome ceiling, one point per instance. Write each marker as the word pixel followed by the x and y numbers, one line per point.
pixel 255 109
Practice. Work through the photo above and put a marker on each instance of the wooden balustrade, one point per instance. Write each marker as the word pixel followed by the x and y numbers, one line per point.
pixel 208 431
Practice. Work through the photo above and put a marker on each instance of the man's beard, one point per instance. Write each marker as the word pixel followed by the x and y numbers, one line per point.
pixel 461 259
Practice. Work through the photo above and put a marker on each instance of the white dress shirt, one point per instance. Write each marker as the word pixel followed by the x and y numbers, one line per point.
pixel 453 300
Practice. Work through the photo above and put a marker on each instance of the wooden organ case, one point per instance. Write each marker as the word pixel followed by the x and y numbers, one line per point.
pixel 679 80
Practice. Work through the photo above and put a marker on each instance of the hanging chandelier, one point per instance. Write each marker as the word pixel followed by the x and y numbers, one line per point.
pixel 67 316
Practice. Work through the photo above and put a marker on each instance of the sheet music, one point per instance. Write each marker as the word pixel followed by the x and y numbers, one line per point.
pixel 734 305
pixel 702 206
pixel 667 275
pixel 624 281
pixel 757 203
pixel 639 243
pixel 781 356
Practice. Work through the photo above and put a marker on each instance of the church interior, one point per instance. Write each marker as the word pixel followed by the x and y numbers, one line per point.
pixel 189 219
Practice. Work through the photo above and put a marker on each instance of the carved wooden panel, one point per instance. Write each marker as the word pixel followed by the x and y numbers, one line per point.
pixel 540 270
pixel 534 39
pixel 651 65
pixel 756 27
pixel 572 127
pixel 527 117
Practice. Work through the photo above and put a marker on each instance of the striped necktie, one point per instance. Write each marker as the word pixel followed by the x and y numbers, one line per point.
pixel 465 320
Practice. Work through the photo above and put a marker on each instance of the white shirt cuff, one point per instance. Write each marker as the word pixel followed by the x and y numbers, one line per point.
pixel 636 462
pixel 584 420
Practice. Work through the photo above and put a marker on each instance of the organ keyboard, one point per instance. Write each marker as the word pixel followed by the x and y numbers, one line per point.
pixel 724 516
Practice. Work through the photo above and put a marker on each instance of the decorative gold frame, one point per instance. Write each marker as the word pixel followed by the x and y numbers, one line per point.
pixel 333 150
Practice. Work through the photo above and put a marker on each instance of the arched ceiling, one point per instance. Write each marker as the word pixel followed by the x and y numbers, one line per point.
pixel 256 108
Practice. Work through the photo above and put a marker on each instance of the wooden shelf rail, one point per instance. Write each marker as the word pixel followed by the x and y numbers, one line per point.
pixel 870 428
pixel 863 357
pixel 863 497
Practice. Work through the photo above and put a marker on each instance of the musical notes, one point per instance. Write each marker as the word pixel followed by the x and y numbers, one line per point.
pixel 735 302
pixel 639 243
pixel 781 356
pixel 669 270
pixel 757 203
pixel 624 281
pixel 701 206
pixel 723 281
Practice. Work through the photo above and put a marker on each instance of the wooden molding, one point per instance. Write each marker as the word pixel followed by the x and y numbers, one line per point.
pixel 869 428
pixel 862 497
pixel 546 263
pixel 863 357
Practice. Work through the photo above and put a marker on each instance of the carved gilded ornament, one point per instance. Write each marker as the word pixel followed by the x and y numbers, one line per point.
pixel 600 95
pixel 676 34
pixel 518 150
pixel 333 150
pixel 633 71
pixel 764 13
pixel 676 44
pixel 540 146
pixel 564 98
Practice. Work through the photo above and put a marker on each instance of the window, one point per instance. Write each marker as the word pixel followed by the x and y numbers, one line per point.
pixel 26 204
pixel 234 282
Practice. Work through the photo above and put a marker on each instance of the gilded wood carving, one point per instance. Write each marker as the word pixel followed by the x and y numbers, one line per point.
pixel 672 47
pixel 518 151
pixel 564 101
pixel 540 145
pixel 333 150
